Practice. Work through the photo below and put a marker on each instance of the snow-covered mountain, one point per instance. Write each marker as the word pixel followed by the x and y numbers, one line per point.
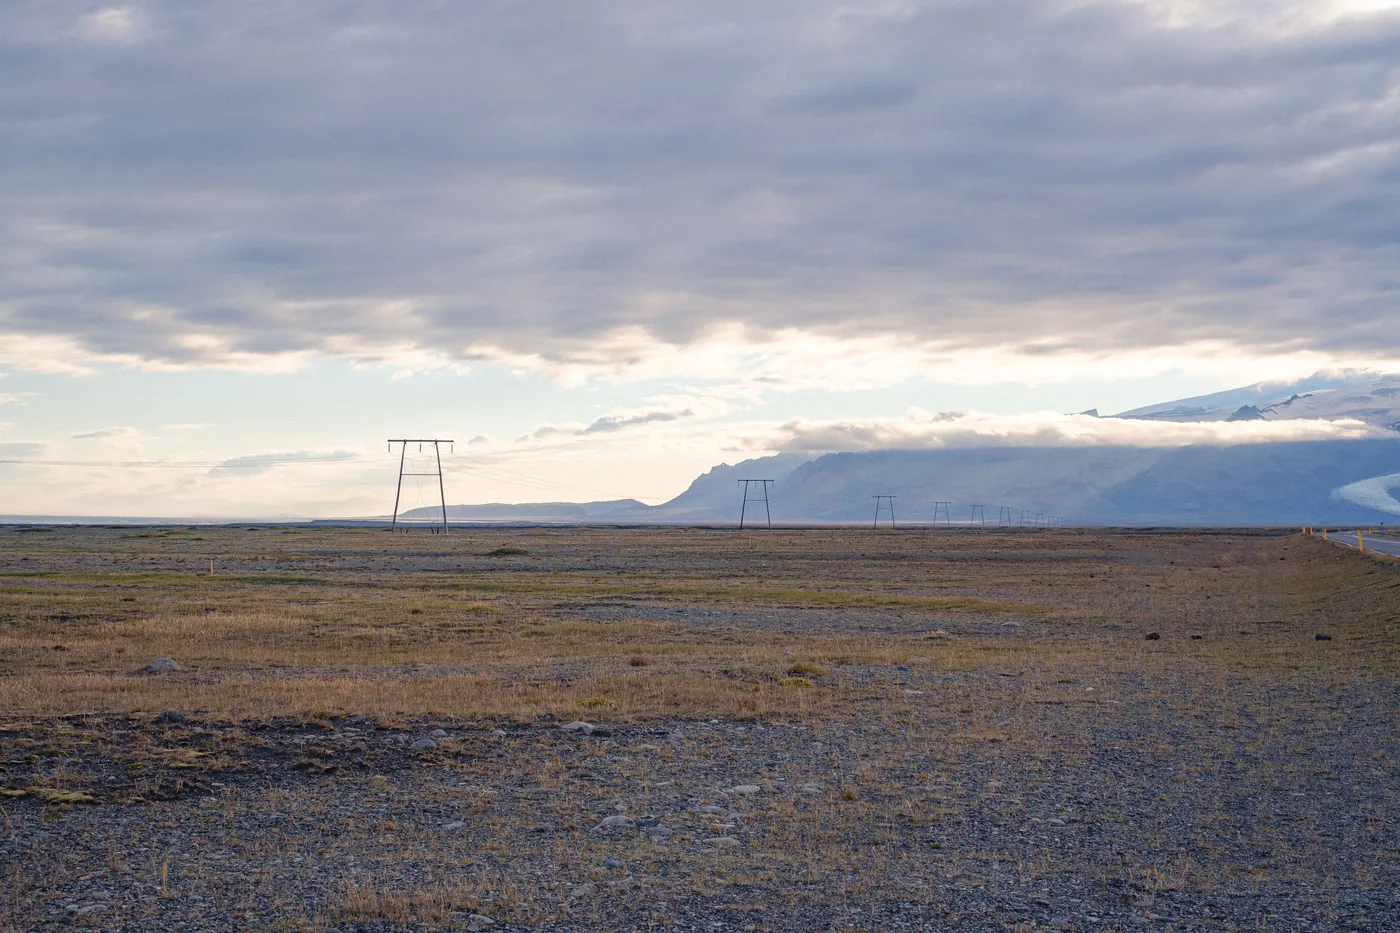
pixel 1374 399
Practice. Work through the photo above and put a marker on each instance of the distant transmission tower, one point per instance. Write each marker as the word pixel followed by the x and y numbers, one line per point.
pixel 978 511
pixel 942 507
pixel 888 499
pixel 1025 514
pixel 763 484
pixel 403 452
pixel 1040 518
pixel 1004 516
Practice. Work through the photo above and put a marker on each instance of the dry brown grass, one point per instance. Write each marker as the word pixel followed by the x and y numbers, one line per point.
pixel 405 627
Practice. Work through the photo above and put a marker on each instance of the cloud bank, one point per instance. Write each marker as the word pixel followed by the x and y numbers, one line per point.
pixel 422 184
pixel 922 429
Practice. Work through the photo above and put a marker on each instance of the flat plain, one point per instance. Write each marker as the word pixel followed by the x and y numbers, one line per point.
pixel 797 729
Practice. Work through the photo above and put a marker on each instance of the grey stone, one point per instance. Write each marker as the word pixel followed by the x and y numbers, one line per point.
pixel 423 745
pixel 745 790
pixel 577 726
pixel 811 788
pixel 171 717
pixel 712 809
pixel 438 733
pixel 612 863
pixel 162 666
pixel 617 821
pixel 455 824
pixel 583 890
pixel 723 842
pixel 498 733
pixel 659 831
pixel 481 920
pixel 1322 636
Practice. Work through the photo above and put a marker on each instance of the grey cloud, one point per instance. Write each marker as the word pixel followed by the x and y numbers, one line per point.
pixel 605 424
pixel 254 464
pixel 852 97
pixel 106 434
pixel 530 174
pixel 21 450
pixel 616 422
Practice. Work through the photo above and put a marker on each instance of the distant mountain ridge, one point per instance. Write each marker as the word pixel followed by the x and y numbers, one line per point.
pixel 528 511
pixel 1275 483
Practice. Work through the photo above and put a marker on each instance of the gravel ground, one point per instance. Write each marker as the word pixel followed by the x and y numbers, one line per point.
pixel 1244 808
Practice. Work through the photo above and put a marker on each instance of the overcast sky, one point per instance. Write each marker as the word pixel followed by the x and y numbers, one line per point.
pixel 617 242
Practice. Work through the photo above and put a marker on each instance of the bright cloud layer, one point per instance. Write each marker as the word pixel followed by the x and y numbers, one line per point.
pixel 1046 429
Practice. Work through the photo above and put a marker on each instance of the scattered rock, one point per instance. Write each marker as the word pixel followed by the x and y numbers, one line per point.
pixel 722 842
pixel 659 831
pixel 578 726
pixel 498 733
pixel 713 810
pixel 612 863
pixel 617 821
pixel 423 745
pixel 438 733
pixel 1322 636
pixel 162 666
pixel 1197 637
pixel 583 890
pixel 913 693
pixel 481 920
pixel 455 824
pixel 745 790
pixel 811 788
pixel 171 717
pixel 1153 636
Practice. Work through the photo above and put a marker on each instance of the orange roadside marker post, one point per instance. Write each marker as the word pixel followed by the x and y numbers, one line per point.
pixel 1324 534
pixel 1360 543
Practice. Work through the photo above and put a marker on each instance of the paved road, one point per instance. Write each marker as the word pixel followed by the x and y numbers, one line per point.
pixel 1373 542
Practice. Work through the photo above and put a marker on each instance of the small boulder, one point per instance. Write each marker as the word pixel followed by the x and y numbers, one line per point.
pixel 438 733
pixel 722 842
pixel 423 745
pixel 1153 636
pixel 171 717
pixel 745 790
pixel 162 666
pixel 1197 637
pixel 577 726
pixel 1322 636
pixel 617 821
pixel 583 890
